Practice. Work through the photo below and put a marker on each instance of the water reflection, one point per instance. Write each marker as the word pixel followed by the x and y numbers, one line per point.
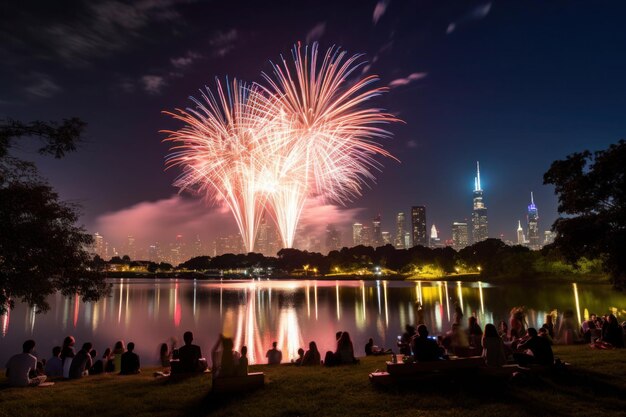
pixel 293 313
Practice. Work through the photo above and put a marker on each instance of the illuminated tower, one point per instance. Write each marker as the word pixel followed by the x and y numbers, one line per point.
pixel 435 242
pixel 460 237
pixel 479 213
pixel 378 236
pixel 533 224
pixel 98 242
pixel 520 233
pixel 357 234
pixel 399 242
pixel 418 225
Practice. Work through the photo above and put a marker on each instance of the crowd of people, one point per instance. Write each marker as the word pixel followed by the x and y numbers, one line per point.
pixel 509 342
pixel 512 342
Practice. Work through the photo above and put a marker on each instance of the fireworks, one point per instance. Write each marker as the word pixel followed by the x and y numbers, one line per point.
pixel 308 132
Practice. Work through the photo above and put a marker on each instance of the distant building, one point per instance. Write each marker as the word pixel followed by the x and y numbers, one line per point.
pixel 357 234
pixel 399 241
pixel 333 238
pixel 130 247
pixel 261 244
pixel 386 238
pixel 435 242
pixel 99 245
pixel 418 225
pixel 377 233
pixel 533 225
pixel 520 233
pixel 480 230
pixel 154 253
pixel 460 235
pixel 548 237
pixel 407 240
pixel 366 236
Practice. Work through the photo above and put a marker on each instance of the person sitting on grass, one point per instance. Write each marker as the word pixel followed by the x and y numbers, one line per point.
pixel 493 347
pixel 612 332
pixel 298 362
pixel 539 347
pixel 189 356
pixel 20 366
pixel 81 362
pixel 97 366
pixel 424 348
pixel 345 350
pixel 312 356
pixel 242 367
pixel 54 365
pixel 274 356
pixel 118 351
pixel 130 361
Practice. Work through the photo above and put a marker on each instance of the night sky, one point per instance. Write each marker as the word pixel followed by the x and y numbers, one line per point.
pixel 514 85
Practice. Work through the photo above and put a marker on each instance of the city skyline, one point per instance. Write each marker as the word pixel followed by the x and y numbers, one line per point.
pixel 468 89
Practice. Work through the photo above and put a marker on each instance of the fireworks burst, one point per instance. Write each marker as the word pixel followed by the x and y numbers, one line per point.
pixel 307 133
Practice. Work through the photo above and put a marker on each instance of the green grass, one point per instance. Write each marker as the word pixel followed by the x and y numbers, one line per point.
pixel 594 386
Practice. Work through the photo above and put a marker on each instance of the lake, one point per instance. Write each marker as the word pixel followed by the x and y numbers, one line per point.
pixel 291 312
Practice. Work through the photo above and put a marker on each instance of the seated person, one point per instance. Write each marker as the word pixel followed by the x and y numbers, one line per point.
pixel 405 340
pixel 242 367
pixel 539 346
pixel 493 347
pixel 298 361
pixel 189 356
pixel 54 365
pixel 368 347
pixel 425 349
pixel 19 367
pixel 98 364
pixel 345 350
pixel 81 362
pixel 274 356
pixel 312 357
pixel 130 361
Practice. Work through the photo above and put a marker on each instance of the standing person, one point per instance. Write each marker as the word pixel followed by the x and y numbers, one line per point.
pixel 19 367
pixel 225 359
pixel 189 355
pixel 474 332
pixel 118 351
pixel 130 361
pixel 312 356
pixel 568 329
pixel 54 365
pixel 274 356
pixel 518 326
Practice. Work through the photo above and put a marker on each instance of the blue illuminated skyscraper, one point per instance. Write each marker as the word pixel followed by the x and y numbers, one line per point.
pixel 479 213
pixel 533 224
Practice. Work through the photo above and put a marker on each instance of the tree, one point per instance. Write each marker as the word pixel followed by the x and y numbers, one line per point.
pixel 42 250
pixel 591 190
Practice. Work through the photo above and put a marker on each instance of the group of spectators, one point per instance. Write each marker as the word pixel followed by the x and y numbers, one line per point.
pixel 24 369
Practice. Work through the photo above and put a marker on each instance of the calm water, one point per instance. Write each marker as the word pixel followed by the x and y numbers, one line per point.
pixel 290 312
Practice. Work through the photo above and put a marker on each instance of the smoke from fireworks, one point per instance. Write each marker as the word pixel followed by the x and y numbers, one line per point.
pixel 307 133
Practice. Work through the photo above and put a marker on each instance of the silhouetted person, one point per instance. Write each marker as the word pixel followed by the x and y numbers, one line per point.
pixel 312 356
pixel 225 359
pixel 20 366
pixel 298 361
pixel 242 368
pixel 81 362
pixel 474 332
pixel 539 346
pixel 118 351
pixel 130 361
pixel 274 356
pixel 368 347
pixel 97 366
pixel 189 355
pixel 493 347
pixel 54 365
pixel 612 332
pixel 405 340
pixel 345 350
pixel 424 348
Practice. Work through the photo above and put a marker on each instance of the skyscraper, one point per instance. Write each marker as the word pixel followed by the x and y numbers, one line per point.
pixel 378 236
pixel 418 225
pixel 98 243
pixel 399 241
pixel 533 224
pixel 520 233
pixel 460 235
pixel 386 238
pixel 435 242
pixel 333 238
pixel 479 213
pixel 357 234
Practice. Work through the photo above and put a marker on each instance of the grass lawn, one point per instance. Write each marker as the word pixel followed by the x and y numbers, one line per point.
pixel 594 386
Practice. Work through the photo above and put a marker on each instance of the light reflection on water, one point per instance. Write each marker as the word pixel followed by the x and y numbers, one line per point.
pixel 293 313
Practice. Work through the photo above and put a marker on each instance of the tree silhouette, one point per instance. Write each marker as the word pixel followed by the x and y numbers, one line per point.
pixel 591 189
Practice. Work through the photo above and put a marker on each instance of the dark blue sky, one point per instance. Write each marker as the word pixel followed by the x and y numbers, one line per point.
pixel 515 85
